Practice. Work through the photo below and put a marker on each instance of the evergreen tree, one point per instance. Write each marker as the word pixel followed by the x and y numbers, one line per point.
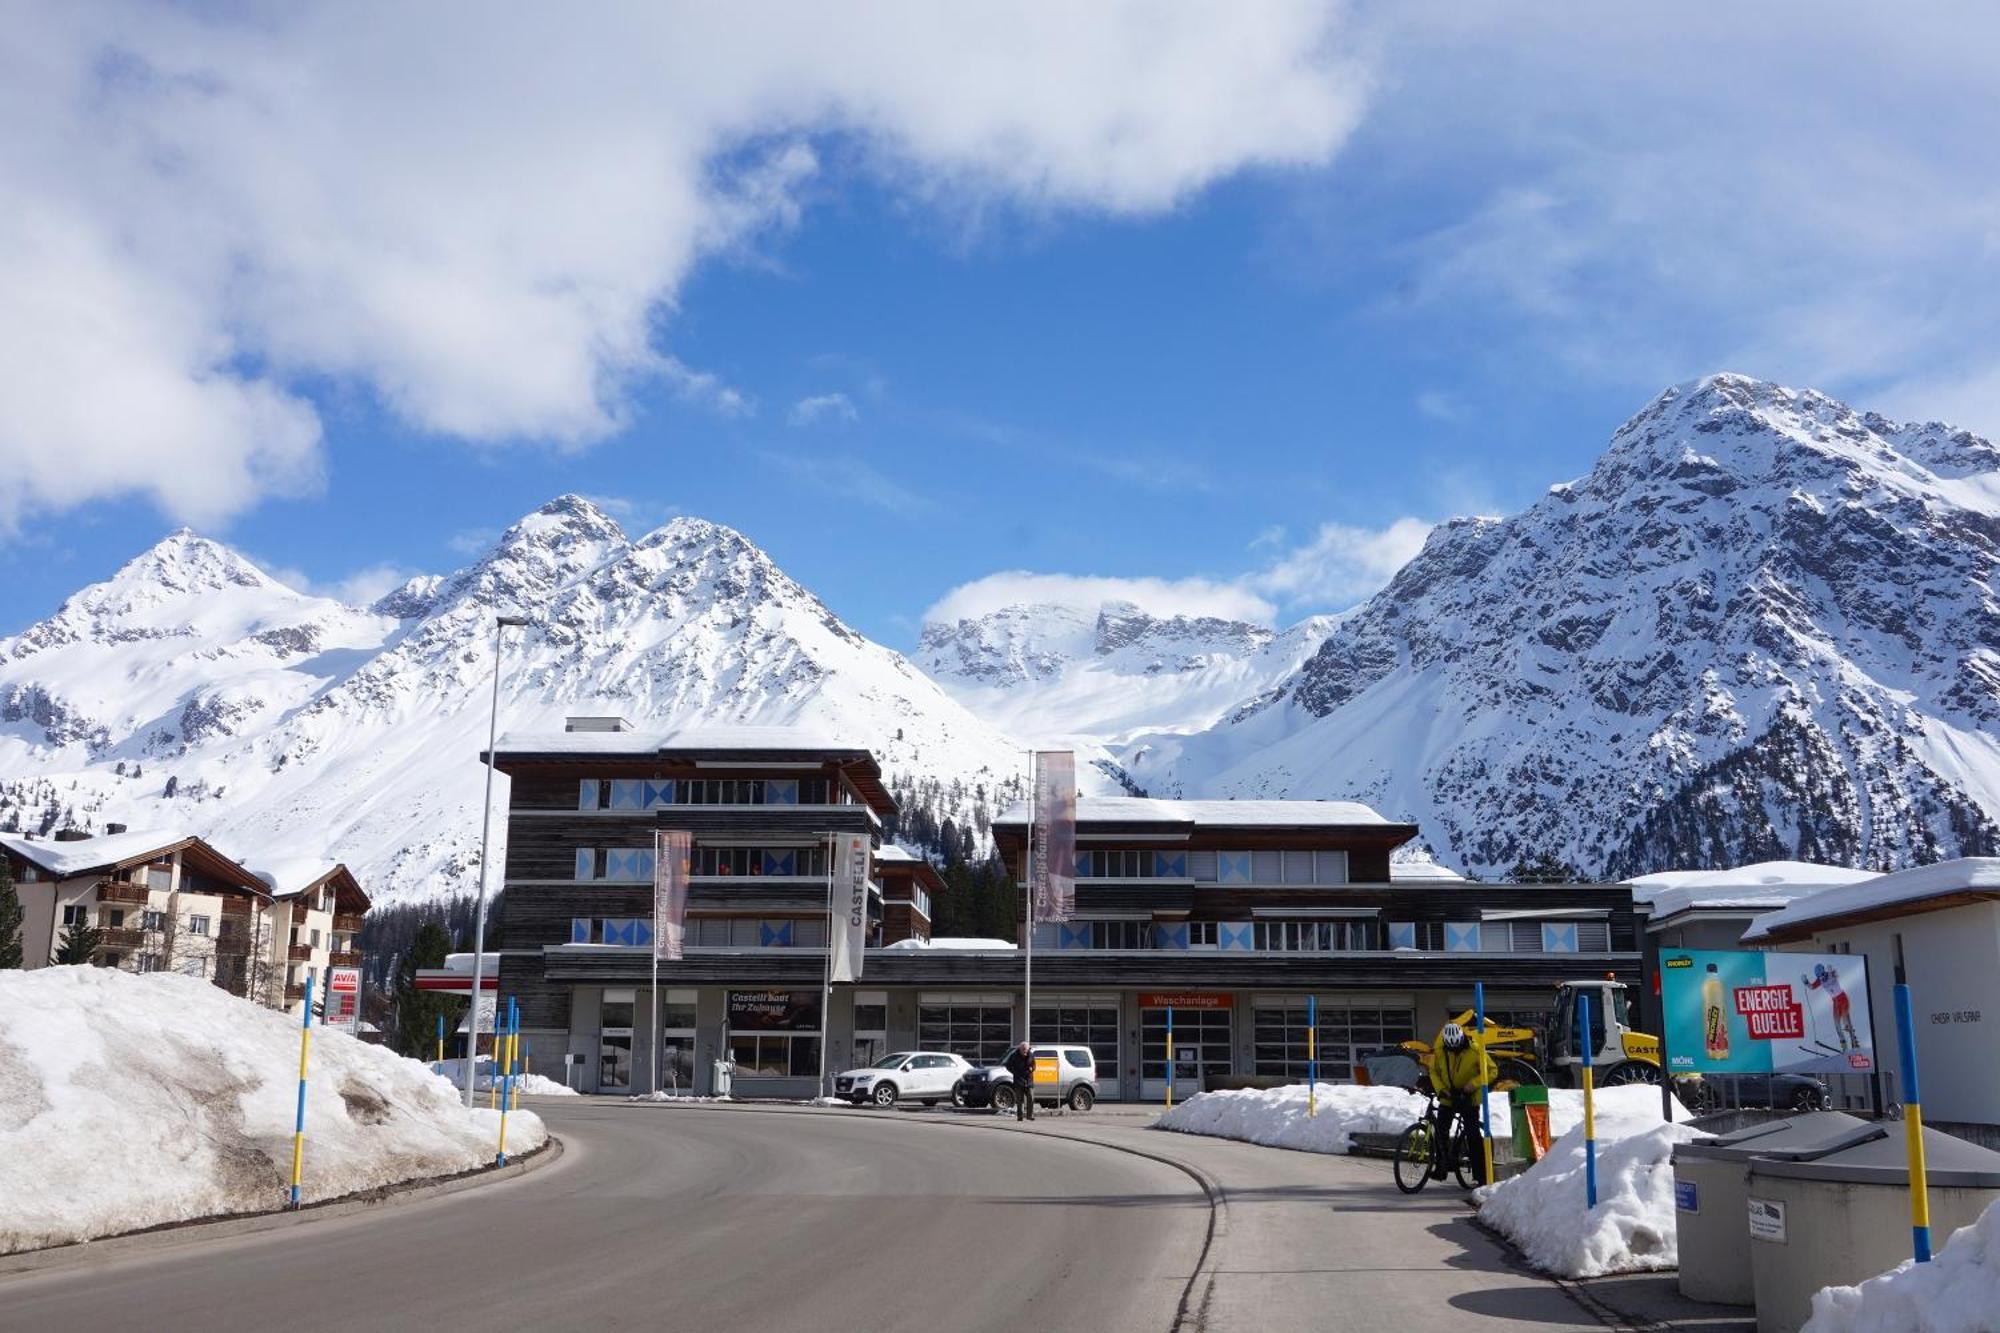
pixel 79 941
pixel 10 919
pixel 1545 868
pixel 417 1012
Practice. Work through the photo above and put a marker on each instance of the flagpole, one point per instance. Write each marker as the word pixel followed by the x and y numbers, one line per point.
pixel 826 973
pixel 1028 976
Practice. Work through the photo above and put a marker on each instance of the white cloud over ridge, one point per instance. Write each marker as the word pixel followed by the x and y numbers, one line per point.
pixel 481 214
pixel 1159 597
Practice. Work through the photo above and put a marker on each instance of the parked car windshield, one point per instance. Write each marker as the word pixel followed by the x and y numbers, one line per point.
pixel 891 1061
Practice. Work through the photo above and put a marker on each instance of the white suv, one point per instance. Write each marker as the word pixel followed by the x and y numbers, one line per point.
pixel 919 1076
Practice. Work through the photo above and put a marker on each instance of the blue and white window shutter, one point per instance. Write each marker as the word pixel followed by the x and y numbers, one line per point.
pixel 1559 937
pixel 586 793
pixel 1240 937
pixel 1461 937
pixel 579 930
pixel 629 864
pixel 1083 865
pixel 1402 934
pixel 628 794
pixel 784 792
pixel 774 934
pixel 779 862
pixel 586 863
pixel 1073 935
pixel 1170 865
pixel 1232 867
pixel 1168 935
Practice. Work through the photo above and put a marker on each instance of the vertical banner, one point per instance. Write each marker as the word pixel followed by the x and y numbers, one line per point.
pixel 1052 877
pixel 671 849
pixel 851 853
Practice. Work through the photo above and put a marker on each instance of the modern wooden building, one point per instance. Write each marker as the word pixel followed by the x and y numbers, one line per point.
pixel 1231 913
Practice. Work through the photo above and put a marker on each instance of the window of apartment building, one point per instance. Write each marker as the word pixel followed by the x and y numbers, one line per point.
pixel 1539 936
pixel 76 914
pixel 1203 934
pixel 160 876
pixel 717 932
pixel 153 921
pixel 1297 867
pixel 1314 936
pixel 614 1039
pixel 198 925
pixel 806 861
pixel 148 962
pixel 1206 1029
pixel 1080 1020
pixel 650 794
pixel 978 1027
pixel 315 939
pixel 1348 1034
pixel 774 1033
pixel 1120 934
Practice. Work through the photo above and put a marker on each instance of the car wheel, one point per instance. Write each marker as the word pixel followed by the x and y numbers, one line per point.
pixel 884 1094
pixel 1003 1099
pixel 1806 1099
pixel 1628 1072
pixel 1082 1098
pixel 958 1094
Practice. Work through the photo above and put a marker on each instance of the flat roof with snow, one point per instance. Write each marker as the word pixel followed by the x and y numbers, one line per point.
pixel 1215 814
pixel 1752 888
pixel 1930 888
pixel 690 739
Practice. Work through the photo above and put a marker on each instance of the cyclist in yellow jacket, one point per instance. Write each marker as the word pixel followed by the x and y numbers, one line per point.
pixel 1459 1067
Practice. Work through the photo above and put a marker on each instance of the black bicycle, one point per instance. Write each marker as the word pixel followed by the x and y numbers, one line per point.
pixel 1417 1151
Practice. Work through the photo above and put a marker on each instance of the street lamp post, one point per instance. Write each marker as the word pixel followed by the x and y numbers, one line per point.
pixel 500 623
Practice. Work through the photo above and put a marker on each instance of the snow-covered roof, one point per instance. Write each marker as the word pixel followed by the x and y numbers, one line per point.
pixel 1764 885
pixel 1239 814
pixel 889 851
pixel 1422 870
pixel 64 859
pixel 1917 889
pixel 291 876
pixel 967 944
pixel 684 738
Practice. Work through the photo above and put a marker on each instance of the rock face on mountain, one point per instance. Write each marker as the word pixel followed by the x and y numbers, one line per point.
pixel 1099 672
pixel 190 689
pixel 1764 626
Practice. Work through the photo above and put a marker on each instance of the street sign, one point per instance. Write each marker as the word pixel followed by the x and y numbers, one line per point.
pixel 1741 1012
pixel 343 999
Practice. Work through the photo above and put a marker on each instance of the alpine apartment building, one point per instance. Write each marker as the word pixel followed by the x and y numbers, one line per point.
pixel 1231 913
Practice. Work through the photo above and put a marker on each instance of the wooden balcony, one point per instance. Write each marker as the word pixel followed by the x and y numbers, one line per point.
pixel 347 923
pixel 122 937
pixel 298 953
pixel 345 958
pixel 240 907
pixel 293 994
pixel 118 891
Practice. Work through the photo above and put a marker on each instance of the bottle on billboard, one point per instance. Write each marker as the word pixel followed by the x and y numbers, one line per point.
pixel 1714 1022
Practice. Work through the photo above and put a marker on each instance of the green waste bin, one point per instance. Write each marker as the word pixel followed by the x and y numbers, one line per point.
pixel 1529 1103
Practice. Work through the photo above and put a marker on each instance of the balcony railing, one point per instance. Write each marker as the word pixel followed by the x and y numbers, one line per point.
pixel 298 953
pixel 347 923
pixel 293 994
pixel 121 937
pixel 120 891
pixel 345 958
pixel 240 907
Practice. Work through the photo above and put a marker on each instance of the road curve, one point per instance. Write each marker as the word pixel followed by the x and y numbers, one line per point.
pixel 685 1218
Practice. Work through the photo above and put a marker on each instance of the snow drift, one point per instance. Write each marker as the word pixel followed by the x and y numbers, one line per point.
pixel 1957 1292
pixel 129 1101
pixel 1631 1230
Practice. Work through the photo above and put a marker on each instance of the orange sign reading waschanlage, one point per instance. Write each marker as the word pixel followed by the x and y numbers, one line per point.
pixel 1187 1000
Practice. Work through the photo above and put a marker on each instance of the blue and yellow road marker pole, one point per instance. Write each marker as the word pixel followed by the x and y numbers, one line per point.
pixel 1170 1057
pixel 1312 1055
pixel 513 1030
pixel 499 1053
pixel 299 1125
pixel 1913 1129
pixel 440 1059
pixel 1589 1104
pixel 513 1049
pixel 1485 1086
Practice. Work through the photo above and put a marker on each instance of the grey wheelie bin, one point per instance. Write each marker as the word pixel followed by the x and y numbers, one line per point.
pixel 1845 1217
pixel 1711 1193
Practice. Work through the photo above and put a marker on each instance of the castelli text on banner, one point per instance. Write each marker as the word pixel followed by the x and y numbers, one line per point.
pixel 851 853
pixel 670 892
pixel 1052 877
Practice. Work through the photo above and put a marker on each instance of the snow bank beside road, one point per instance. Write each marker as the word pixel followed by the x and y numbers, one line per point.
pixel 1632 1228
pixel 129 1101
pixel 483 1078
pixel 1957 1292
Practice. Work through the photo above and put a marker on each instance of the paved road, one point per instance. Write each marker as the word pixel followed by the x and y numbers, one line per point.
pixel 662 1217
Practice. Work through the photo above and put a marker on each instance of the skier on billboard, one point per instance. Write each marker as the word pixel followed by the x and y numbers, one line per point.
pixel 1827 979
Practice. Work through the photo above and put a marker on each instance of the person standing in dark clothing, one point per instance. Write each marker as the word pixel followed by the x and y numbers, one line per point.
pixel 1020 1063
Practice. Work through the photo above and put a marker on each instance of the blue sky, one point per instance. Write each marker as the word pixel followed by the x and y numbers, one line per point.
pixel 1229 309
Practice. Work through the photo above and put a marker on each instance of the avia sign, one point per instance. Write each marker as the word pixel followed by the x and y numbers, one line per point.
pixel 1735 1012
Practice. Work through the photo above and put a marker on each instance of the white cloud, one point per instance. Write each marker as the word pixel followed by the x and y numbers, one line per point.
pixel 1341 564
pixel 483 215
pixel 1440 406
pixel 1159 597
pixel 823 407
pixel 473 541
pixel 359 588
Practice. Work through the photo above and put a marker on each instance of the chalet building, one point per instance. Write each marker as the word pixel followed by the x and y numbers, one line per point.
pixel 166 901
pixel 1231 913
pixel 161 901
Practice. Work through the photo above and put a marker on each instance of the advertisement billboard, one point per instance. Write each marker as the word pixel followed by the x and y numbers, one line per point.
pixel 774 1011
pixel 1742 1012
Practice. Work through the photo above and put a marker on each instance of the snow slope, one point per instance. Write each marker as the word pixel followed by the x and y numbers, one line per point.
pixel 191 690
pixel 128 1101
pixel 1764 626
pixel 1101 672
